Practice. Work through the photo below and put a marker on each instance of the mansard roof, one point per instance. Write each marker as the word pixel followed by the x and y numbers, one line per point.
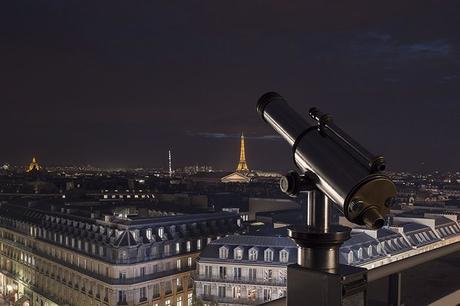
pixel 246 243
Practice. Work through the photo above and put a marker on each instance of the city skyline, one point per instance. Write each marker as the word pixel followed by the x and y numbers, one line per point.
pixel 118 85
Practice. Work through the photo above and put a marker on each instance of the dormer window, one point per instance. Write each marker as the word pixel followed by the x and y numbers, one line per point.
pixel 161 232
pixel 148 234
pixel 253 254
pixel 268 255
pixel 238 253
pixel 350 257
pixel 284 256
pixel 223 252
pixel 177 247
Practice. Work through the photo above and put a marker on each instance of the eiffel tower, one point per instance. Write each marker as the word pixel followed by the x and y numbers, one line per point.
pixel 242 166
pixel 33 166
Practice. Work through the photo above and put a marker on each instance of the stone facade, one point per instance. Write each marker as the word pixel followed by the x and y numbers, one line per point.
pixel 58 258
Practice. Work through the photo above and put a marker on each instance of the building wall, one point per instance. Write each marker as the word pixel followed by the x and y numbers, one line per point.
pixel 58 276
pixel 242 290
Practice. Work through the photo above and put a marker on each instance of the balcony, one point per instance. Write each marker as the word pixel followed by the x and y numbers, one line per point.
pixel 241 280
pixel 231 300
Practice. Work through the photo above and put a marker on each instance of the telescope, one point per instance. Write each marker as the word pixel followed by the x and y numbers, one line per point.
pixel 333 167
pixel 336 164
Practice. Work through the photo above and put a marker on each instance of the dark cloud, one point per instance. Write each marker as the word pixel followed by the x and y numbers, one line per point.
pixel 234 136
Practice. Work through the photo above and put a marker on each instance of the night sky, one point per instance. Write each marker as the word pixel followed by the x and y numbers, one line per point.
pixel 118 83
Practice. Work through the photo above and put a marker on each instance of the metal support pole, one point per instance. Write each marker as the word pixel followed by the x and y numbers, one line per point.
pixel 318 215
pixel 394 289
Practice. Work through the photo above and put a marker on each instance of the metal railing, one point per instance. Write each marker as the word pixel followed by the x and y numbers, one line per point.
pixel 244 280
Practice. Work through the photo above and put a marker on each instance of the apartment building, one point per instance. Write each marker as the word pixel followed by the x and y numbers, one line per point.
pixel 244 270
pixel 56 256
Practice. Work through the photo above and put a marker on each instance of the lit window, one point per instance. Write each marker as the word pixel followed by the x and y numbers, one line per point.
pixel 190 299
pixel 238 253
pixel 284 256
pixel 198 244
pixel 179 301
pixel 177 247
pixel 253 254
pixel 223 252
pixel 168 302
pixel 178 264
pixel 148 233
pixel 189 246
pixel 161 232
pixel 268 255
pixel 189 261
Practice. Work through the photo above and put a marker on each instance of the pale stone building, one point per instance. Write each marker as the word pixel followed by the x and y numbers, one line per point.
pixel 53 256
pixel 244 270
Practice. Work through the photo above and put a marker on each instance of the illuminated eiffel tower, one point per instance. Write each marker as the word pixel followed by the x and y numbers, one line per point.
pixel 242 166
pixel 33 166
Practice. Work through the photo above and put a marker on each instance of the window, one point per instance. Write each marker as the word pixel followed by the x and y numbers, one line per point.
pixel 178 283
pixel 161 232
pixel 350 257
pixel 267 294
pixel 189 261
pixel 268 275
pixel 238 253
pixel 121 296
pixel 179 301
pixel 178 264
pixel 222 272
pixel 122 275
pixel 168 302
pixel 189 299
pixel 236 273
pixel 156 290
pixel 283 276
pixel 268 255
pixel 236 292
pixel 142 294
pixel 198 244
pixel 208 271
pixel 189 246
pixel 252 274
pixel 207 290
pixel 166 249
pixel 148 233
pixel 142 272
pixel 177 247
pixel 284 256
pixel 221 291
pixel 168 287
pixel 223 252
pixel 253 254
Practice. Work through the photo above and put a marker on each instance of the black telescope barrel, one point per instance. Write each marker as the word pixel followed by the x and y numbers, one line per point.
pixel 348 174
pixel 273 108
pixel 374 162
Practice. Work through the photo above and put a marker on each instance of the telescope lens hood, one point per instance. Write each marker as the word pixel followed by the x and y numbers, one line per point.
pixel 264 100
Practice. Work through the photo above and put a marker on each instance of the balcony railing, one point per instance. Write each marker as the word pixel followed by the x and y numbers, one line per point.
pixel 231 300
pixel 241 280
